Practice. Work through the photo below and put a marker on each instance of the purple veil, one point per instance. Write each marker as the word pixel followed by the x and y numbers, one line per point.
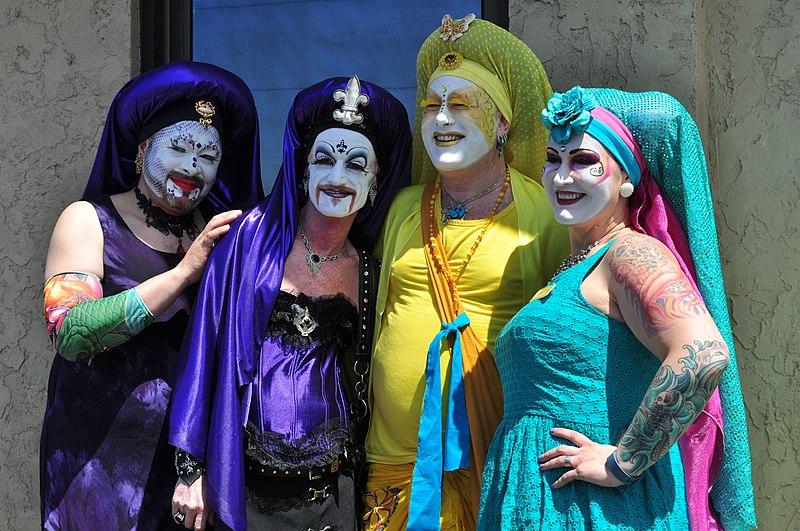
pixel 238 183
pixel 242 279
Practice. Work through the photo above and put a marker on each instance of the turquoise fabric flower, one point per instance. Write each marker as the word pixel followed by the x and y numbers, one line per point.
pixel 568 112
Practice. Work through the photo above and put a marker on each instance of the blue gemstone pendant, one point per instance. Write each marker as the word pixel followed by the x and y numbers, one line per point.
pixel 457 212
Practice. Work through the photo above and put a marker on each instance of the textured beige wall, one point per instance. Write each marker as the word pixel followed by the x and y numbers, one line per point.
pixel 753 109
pixel 735 64
pixel 61 62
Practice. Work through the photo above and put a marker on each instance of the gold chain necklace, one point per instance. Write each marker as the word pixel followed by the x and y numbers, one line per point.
pixel 450 279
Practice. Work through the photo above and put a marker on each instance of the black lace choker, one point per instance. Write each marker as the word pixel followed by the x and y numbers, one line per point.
pixel 163 222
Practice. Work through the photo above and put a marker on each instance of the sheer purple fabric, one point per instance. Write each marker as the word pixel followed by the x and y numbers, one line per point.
pixel 241 282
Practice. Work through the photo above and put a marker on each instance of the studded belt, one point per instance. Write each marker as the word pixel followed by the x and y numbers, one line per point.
pixel 252 466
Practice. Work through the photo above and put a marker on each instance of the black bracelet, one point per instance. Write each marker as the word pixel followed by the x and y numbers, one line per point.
pixel 613 466
pixel 187 467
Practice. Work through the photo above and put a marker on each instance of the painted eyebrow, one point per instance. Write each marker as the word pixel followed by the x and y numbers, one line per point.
pixel 326 148
pixel 583 149
pixel 363 152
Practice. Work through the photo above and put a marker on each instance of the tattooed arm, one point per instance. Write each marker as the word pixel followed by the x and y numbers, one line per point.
pixel 658 303
pixel 666 314
pixel 80 320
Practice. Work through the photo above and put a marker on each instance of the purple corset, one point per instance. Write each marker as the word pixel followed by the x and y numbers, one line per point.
pixel 299 413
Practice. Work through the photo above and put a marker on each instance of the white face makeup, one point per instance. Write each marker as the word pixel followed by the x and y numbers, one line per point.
pixel 180 163
pixel 341 168
pixel 459 123
pixel 580 179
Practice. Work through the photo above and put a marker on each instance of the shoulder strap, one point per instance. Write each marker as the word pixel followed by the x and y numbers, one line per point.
pixel 358 367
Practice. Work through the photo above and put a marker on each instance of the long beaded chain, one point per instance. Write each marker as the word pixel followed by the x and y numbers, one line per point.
pixel 440 260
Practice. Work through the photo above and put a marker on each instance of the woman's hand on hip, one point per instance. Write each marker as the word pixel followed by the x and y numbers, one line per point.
pixel 586 460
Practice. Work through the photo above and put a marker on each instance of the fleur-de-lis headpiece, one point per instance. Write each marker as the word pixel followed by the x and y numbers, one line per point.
pixel 451 29
pixel 352 98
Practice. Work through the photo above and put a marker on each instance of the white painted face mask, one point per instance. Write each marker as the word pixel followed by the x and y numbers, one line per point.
pixel 341 170
pixel 180 163
pixel 459 123
pixel 579 179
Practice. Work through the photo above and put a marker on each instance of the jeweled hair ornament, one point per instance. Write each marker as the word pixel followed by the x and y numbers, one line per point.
pixel 451 29
pixel 352 98
pixel 575 112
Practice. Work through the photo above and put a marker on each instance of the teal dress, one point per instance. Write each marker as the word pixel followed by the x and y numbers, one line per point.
pixel 563 363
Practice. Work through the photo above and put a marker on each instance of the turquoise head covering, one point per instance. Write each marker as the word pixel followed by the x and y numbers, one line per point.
pixel 672 152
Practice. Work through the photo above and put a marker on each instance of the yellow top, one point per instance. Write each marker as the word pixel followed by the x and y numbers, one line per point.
pixel 520 250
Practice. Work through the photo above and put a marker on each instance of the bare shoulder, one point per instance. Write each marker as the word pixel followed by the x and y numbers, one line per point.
pixel 640 254
pixel 77 241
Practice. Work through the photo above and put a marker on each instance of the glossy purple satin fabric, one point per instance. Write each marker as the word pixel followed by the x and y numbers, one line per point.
pixel 238 183
pixel 241 280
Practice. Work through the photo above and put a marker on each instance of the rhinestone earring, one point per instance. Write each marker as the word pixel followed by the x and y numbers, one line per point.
pixel 626 189
pixel 139 162
pixel 305 184
pixel 373 191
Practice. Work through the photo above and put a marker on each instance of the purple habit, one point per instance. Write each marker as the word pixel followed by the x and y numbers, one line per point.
pixel 104 459
pixel 241 282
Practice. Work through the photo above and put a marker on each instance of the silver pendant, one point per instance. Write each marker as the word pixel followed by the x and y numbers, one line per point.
pixel 303 321
pixel 314 262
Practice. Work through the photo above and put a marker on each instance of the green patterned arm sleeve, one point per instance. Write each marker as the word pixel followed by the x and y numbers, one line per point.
pixel 98 325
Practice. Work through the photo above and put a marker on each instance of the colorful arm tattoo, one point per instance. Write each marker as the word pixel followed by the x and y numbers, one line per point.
pixel 671 403
pixel 654 284
pixel 81 322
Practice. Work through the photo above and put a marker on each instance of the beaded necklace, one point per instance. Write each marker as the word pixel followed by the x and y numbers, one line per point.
pixel 441 261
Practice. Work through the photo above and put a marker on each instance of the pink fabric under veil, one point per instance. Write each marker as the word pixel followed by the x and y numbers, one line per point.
pixel 702 444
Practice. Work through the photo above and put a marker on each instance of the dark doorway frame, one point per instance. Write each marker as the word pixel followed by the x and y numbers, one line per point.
pixel 166 29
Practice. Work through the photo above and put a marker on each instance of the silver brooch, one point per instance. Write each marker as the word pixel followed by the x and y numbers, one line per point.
pixel 302 320
pixel 352 98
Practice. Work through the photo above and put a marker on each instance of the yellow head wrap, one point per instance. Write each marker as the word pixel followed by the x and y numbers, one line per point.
pixel 455 65
pixel 509 72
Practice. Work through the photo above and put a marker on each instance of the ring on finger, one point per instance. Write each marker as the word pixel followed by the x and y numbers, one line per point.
pixel 179 517
pixel 567 460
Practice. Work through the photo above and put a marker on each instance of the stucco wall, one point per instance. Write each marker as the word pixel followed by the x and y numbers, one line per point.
pixel 736 67
pixel 753 113
pixel 61 62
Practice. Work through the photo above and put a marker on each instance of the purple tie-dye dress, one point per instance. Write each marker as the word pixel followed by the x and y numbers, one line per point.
pixel 104 460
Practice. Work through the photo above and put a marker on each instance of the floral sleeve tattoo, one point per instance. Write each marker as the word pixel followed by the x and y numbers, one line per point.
pixel 672 402
pixel 654 285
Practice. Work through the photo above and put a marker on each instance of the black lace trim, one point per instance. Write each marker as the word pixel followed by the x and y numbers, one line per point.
pixel 319 448
pixel 300 321
pixel 266 505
